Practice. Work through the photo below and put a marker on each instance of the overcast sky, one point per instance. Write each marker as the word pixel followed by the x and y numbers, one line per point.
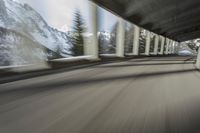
pixel 59 13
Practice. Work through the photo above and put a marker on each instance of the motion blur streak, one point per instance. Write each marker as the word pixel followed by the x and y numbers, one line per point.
pixel 109 98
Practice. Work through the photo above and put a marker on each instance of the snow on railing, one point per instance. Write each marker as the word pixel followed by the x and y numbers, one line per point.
pixel 71 59
pixel 28 67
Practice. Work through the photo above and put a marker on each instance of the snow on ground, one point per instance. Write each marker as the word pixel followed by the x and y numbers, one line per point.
pixel 185 52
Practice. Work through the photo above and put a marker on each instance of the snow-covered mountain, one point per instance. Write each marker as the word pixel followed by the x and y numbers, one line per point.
pixel 106 42
pixel 24 20
pixel 17 49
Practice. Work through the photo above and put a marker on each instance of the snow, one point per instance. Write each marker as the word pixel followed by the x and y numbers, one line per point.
pixel 35 26
pixel 64 28
pixel 108 55
pixel 70 59
pixel 24 68
pixel 12 66
pixel 185 52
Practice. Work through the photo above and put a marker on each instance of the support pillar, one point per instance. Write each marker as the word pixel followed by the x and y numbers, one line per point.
pixel 120 38
pixel 148 41
pixel 156 44
pixel 176 47
pixel 136 40
pixel 167 46
pixel 91 46
pixel 198 59
pixel 170 46
pixel 162 45
pixel 173 47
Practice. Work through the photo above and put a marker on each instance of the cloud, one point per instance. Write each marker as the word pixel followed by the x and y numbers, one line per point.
pixel 59 13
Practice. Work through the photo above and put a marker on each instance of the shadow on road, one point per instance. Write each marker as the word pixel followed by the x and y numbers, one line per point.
pixel 24 91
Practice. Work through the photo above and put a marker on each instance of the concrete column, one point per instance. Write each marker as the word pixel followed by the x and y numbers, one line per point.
pixel 92 47
pixel 136 40
pixel 156 44
pixel 148 41
pixel 176 47
pixel 173 47
pixel 167 46
pixel 120 38
pixel 198 59
pixel 162 45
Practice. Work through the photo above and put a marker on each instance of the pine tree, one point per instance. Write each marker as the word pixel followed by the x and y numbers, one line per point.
pixel 142 41
pixel 129 34
pixel 78 29
pixel 112 48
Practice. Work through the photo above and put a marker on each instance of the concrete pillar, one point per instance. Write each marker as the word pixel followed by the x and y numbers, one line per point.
pixel 92 48
pixel 173 47
pixel 198 59
pixel 120 38
pixel 136 40
pixel 176 47
pixel 167 46
pixel 156 44
pixel 175 44
pixel 162 45
pixel 148 41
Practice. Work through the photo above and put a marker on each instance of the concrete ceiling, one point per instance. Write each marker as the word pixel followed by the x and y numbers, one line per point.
pixel 176 19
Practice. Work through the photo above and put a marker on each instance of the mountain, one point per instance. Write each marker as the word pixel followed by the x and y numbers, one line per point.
pixel 106 43
pixel 18 49
pixel 25 22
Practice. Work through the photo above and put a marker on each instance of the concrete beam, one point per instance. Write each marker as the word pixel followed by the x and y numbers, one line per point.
pixel 160 22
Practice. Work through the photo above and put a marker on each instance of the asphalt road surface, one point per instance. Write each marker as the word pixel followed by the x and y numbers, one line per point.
pixel 147 95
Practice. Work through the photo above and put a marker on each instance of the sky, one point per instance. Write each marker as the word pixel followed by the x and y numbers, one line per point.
pixel 59 13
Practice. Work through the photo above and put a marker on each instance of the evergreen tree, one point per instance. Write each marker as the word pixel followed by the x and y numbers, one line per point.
pixel 142 41
pixel 129 34
pixel 152 44
pixel 78 29
pixel 192 45
pixel 103 45
pixel 112 48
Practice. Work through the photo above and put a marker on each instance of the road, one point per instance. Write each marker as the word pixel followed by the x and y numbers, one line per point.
pixel 147 95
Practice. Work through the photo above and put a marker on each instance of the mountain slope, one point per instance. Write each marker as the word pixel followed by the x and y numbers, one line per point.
pixel 24 23
pixel 27 20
